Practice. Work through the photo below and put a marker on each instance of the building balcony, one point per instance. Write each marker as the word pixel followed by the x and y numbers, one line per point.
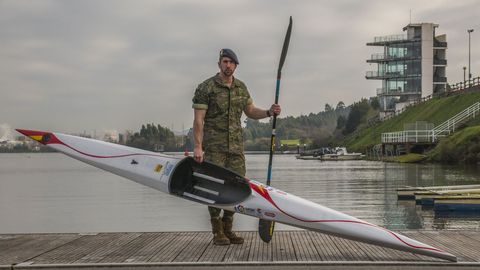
pixel 380 57
pixel 437 79
pixel 383 75
pixel 439 62
pixel 396 92
pixel 392 39
pixel 439 44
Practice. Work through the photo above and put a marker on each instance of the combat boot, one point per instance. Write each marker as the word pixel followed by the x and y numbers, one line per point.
pixel 227 229
pixel 219 237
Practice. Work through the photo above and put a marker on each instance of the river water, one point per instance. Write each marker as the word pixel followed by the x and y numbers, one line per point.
pixel 50 192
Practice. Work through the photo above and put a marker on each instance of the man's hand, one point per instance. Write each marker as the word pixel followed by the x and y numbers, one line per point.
pixel 275 109
pixel 198 154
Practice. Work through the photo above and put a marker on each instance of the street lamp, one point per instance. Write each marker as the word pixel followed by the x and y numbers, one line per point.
pixel 469 70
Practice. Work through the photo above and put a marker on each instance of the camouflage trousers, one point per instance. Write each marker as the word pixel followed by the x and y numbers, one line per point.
pixel 234 162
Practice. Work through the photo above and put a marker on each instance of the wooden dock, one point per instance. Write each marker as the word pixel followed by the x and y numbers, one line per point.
pixel 189 250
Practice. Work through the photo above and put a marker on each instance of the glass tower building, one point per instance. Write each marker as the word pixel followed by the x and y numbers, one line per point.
pixel 411 66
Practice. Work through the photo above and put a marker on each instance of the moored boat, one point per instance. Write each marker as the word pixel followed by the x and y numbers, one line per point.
pixel 335 154
pixel 457 203
pixel 408 193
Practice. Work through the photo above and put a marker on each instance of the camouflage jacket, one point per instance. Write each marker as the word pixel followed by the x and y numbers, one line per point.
pixel 222 131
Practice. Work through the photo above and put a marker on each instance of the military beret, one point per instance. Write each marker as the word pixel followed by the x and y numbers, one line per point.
pixel 230 54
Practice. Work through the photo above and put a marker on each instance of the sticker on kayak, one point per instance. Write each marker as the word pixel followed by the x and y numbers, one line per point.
pixel 168 169
pixel 158 168
pixel 269 214
pixel 245 210
pixel 239 209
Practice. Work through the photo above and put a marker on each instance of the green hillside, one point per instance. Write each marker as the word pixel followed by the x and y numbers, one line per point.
pixel 436 111
pixel 461 147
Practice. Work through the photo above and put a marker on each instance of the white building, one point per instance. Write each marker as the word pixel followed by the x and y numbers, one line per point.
pixel 411 66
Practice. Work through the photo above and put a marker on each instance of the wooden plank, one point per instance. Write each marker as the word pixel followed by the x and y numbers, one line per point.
pixel 474 235
pixel 13 247
pixel 122 253
pixel 8 242
pixel 213 253
pixel 358 254
pixel 333 242
pixel 259 250
pixel 196 248
pixel 326 249
pixel 453 245
pixel 173 249
pixel 252 250
pixel 265 250
pixel 239 253
pixel 292 246
pixel 305 249
pixel 413 234
pixel 107 248
pixel 283 249
pixel 386 254
pixel 346 250
pixel 76 249
pixel 159 241
pixel 471 244
pixel 35 246
pixel 436 243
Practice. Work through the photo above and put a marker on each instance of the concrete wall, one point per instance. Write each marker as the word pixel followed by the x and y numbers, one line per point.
pixel 427 59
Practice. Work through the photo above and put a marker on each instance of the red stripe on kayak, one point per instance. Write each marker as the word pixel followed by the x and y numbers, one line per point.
pixel 264 193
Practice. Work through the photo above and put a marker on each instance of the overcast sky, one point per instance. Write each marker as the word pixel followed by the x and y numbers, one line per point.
pixel 74 66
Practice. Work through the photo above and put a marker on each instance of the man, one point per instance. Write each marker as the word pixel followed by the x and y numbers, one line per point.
pixel 218 104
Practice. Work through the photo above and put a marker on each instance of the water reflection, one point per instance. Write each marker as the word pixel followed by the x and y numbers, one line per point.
pixel 53 193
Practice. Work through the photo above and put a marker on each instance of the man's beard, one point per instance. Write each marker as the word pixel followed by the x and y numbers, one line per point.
pixel 227 72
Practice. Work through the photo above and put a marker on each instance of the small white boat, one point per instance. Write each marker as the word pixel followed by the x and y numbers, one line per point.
pixel 337 153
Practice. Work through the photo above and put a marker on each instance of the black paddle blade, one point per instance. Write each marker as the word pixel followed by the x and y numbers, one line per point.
pixel 265 229
pixel 286 42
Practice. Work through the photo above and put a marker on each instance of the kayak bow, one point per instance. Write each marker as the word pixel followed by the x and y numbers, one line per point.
pixel 209 184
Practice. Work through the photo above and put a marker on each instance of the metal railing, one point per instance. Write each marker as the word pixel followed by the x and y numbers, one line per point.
pixel 382 56
pixel 383 74
pixel 432 135
pixel 449 126
pixel 465 84
pixel 390 38
pixel 412 136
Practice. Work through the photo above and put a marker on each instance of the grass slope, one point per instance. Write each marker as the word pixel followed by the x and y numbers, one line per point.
pixel 461 147
pixel 436 111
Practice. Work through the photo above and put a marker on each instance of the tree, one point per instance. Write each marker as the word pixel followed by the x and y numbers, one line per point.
pixel 341 121
pixel 340 106
pixel 152 136
pixel 358 112
pixel 375 103
pixel 328 107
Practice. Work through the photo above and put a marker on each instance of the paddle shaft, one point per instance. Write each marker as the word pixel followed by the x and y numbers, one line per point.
pixel 266 227
pixel 274 124
pixel 286 42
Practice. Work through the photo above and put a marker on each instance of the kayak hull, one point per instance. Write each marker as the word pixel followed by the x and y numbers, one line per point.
pixel 209 184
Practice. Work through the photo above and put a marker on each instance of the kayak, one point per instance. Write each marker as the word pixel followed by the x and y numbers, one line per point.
pixel 212 185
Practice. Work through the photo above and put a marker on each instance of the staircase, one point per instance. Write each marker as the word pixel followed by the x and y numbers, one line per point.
pixel 432 135
pixel 449 126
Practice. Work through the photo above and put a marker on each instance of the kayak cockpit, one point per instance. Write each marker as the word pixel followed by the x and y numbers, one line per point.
pixel 208 183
